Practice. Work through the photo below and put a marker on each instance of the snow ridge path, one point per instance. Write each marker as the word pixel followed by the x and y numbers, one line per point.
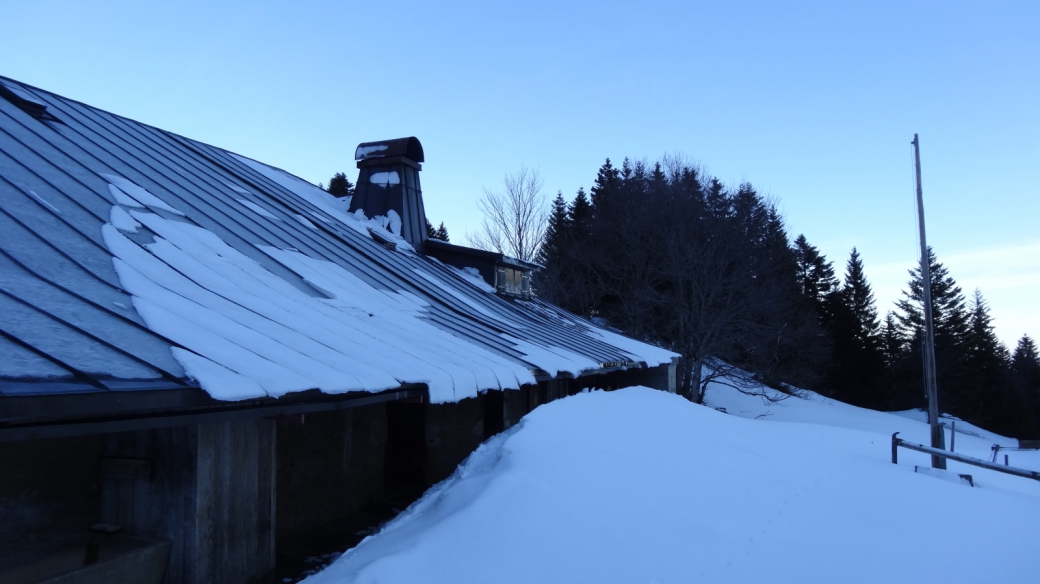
pixel 638 485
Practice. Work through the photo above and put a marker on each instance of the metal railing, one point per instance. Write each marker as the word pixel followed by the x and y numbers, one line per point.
pixel 898 442
pixel 1023 445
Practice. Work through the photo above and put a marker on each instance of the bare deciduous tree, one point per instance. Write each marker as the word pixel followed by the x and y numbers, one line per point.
pixel 515 219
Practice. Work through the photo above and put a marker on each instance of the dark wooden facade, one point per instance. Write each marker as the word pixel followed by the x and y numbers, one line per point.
pixel 229 495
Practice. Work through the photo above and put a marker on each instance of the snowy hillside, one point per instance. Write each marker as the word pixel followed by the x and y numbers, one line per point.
pixel 639 485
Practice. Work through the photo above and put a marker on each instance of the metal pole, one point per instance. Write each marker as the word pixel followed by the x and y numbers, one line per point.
pixel 928 350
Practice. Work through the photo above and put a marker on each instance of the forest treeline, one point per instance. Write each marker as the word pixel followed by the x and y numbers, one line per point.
pixel 666 253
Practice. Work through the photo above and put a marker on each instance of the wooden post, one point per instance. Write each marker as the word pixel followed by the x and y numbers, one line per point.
pixel 928 350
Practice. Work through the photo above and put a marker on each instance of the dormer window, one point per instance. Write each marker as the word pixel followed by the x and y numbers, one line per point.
pixel 513 281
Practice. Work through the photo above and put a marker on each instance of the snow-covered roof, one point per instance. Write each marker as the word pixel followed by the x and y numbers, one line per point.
pixel 132 258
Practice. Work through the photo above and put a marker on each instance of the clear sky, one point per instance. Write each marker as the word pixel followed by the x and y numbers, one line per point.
pixel 815 103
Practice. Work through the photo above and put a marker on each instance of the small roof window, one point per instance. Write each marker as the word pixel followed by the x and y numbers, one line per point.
pixel 26 102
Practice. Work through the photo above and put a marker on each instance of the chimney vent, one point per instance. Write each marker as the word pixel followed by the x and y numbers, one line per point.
pixel 388 185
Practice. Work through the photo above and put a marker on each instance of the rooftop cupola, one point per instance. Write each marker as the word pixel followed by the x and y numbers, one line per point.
pixel 388 185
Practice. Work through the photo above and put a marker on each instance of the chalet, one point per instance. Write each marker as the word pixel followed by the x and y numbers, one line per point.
pixel 205 360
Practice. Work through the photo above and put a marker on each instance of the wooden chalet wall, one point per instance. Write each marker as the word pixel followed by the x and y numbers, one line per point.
pixel 208 488
pixel 229 495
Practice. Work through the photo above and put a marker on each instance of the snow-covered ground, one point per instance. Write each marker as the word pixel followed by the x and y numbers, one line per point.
pixel 638 485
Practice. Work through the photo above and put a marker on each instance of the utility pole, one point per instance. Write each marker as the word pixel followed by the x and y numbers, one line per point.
pixel 928 351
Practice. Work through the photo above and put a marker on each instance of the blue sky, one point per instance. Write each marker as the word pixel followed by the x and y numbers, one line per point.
pixel 815 103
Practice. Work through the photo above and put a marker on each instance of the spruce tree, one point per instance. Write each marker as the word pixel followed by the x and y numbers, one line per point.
pixel 549 280
pixel 985 394
pixel 949 313
pixel 550 253
pixel 607 184
pixel 950 319
pixel 340 186
pixel 438 233
pixel 1026 360
pixel 578 256
pixel 815 276
pixel 442 233
pixel 1025 383
pixel 858 374
pixel 893 345
pixel 579 215
pixel 899 366
pixel 984 349
pixel 666 255
pixel 859 299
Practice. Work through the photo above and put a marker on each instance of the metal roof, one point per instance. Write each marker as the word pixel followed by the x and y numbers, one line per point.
pixel 68 325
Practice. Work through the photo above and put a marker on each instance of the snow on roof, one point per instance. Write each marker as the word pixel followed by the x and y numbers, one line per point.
pixel 129 253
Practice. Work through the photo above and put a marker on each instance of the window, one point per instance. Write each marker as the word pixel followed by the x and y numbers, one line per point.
pixel 513 281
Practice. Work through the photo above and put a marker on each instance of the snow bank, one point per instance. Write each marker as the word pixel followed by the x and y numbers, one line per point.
pixel 912 425
pixel 639 485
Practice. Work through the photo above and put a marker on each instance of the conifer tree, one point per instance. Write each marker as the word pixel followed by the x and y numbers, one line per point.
pixel 607 184
pixel 949 313
pixel 579 214
pixel 578 256
pixel 899 367
pixel 1026 360
pixel 340 186
pixel 858 372
pixel 859 299
pixel 986 351
pixel 893 345
pixel 438 233
pixel 1024 385
pixel 950 319
pixel 985 392
pixel 549 280
pixel 551 251
pixel 815 275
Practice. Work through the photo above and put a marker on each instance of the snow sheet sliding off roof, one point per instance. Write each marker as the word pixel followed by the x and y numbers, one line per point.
pixel 132 258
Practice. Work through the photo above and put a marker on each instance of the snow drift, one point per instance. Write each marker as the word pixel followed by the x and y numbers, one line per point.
pixel 639 485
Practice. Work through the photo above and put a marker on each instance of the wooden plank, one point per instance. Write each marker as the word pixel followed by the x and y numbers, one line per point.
pixel 266 495
pixel 203 551
pixel 228 505
pixel 242 500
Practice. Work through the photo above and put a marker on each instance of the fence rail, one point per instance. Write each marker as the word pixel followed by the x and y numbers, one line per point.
pixel 898 442
pixel 1023 445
